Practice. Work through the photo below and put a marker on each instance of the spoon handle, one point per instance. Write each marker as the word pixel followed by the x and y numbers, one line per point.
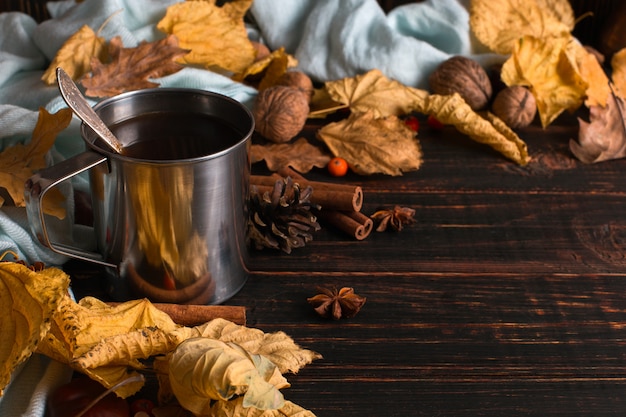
pixel 77 102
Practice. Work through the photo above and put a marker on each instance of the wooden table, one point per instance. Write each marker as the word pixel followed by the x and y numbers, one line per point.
pixel 507 296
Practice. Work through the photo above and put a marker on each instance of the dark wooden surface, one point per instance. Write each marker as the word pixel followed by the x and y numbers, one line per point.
pixel 507 297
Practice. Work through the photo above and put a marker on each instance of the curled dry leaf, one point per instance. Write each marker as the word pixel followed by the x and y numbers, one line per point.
pixel 28 300
pixel 300 155
pixel 489 130
pixel 20 161
pixel 604 137
pixel 215 36
pixel 373 145
pixel 76 54
pixel 132 68
pixel 499 24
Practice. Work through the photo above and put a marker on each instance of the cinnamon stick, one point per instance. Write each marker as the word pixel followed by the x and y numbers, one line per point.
pixel 192 315
pixel 354 223
pixel 328 195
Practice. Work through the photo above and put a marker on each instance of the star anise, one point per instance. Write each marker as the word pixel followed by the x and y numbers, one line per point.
pixel 331 303
pixel 395 218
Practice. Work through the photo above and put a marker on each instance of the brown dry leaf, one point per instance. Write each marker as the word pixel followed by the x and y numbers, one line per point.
pixel 322 104
pixel 215 36
pixel 604 137
pixel 544 66
pixel 618 64
pixel 131 68
pixel 373 145
pixel 499 24
pixel 20 161
pixel 76 54
pixel 28 300
pixel 375 93
pixel 489 130
pixel 300 155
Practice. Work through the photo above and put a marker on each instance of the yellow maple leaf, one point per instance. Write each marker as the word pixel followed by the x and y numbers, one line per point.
pixel 20 161
pixel 216 36
pixel 545 66
pixel 618 64
pixel 499 24
pixel 591 71
pixel 75 55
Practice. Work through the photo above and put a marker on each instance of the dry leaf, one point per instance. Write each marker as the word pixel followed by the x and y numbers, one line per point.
pixel 272 67
pixel 489 130
pixel 132 68
pixel 545 67
pixel 202 370
pixel 604 137
pixel 373 145
pixel 19 162
pixel 76 54
pixel 27 302
pixel 618 64
pixel 300 155
pixel 235 407
pixel 499 24
pixel 373 92
pixel 215 36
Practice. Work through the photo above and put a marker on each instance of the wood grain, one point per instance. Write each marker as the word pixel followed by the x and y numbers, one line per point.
pixel 507 297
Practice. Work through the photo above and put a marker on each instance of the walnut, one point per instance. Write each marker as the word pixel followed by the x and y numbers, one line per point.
pixel 280 113
pixel 297 79
pixel 516 106
pixel 463 76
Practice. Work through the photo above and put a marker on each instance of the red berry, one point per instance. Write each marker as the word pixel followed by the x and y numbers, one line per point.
pixel 338 167
pixel 412 123
pixel 434 123
pixel 142 404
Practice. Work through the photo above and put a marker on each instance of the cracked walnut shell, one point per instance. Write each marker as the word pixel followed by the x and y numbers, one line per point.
pixel 280 113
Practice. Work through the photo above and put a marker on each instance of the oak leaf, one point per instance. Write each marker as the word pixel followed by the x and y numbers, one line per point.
pixel 500 24
pixel 76 54
pixel 216 37
pixel 618 75
pixel 604 136
pixel 132 68
pixel 373 145
pixel 300 155
pixel 20 161
pixel 28 300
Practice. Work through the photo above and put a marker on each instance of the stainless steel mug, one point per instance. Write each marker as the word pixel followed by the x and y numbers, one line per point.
pixel 170 212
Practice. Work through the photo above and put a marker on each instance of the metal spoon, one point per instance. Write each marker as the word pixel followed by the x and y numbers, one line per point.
pixel 77 102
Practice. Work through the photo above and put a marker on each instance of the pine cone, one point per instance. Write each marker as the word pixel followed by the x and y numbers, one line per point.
pixel 282 219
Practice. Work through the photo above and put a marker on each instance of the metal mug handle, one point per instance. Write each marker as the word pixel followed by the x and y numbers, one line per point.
pixel 38 185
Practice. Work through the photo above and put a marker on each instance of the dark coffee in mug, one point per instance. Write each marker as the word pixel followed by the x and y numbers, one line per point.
pixel 174 136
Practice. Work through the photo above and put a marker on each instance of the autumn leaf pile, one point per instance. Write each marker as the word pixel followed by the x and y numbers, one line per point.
pixel 236 366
